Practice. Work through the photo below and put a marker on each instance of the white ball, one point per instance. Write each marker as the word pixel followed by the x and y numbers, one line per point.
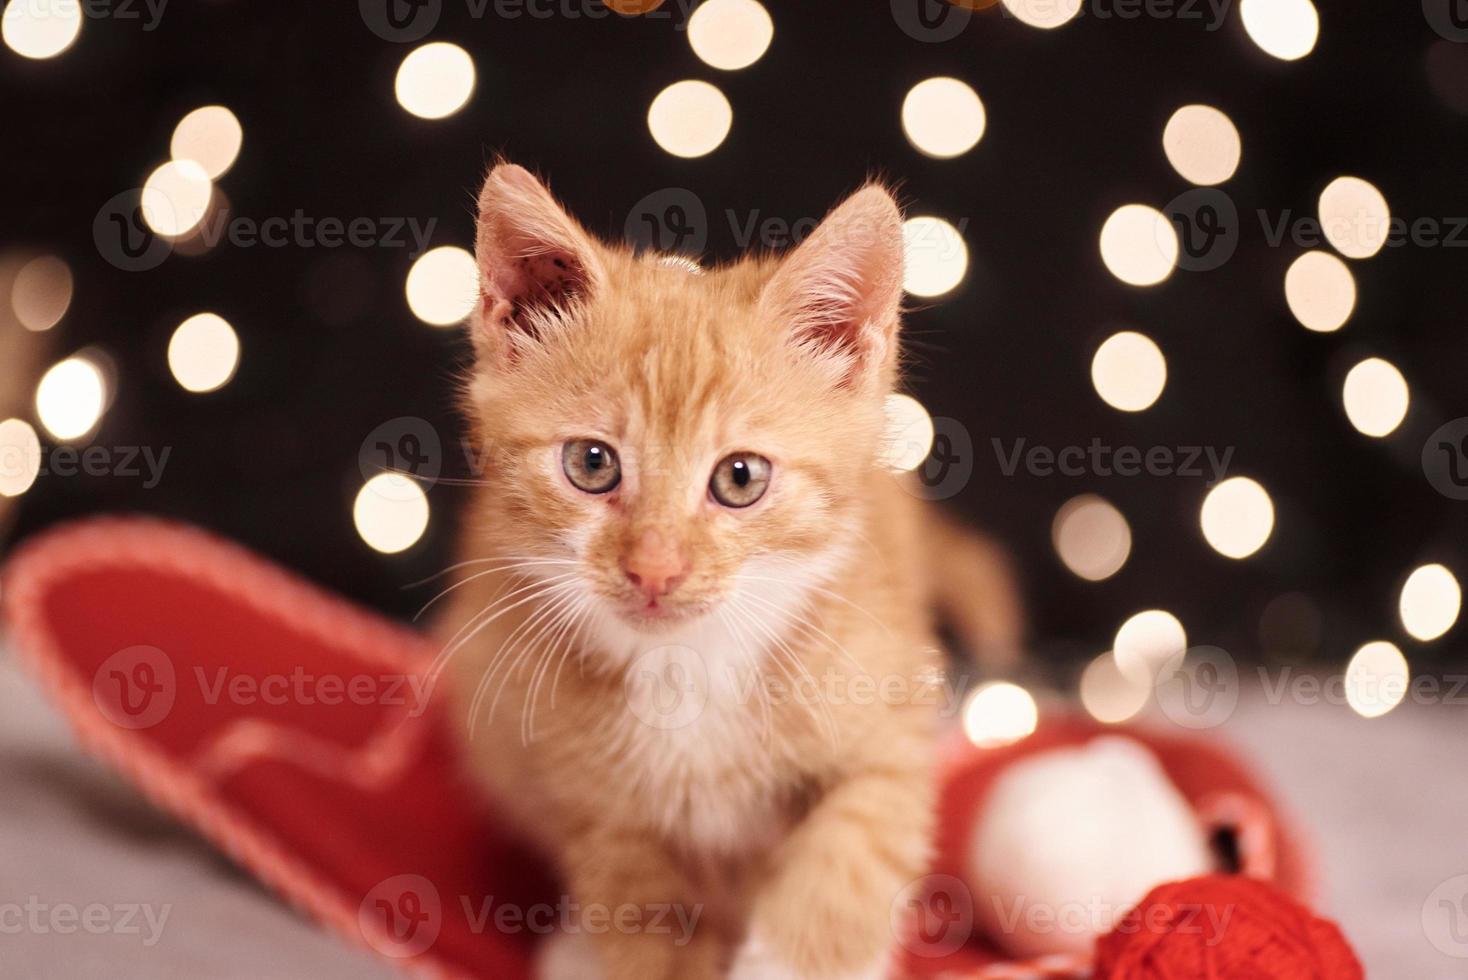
pixel 1071 839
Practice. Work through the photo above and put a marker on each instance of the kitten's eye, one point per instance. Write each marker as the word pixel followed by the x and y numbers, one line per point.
pixel 740 479
pixel 591 465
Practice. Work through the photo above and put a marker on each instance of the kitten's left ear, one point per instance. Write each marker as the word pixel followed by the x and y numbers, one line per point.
pixel 840 291
pixel 534 259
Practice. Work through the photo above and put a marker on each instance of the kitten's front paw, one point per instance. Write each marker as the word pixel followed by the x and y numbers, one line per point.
pixel 568 956
pixel 756 960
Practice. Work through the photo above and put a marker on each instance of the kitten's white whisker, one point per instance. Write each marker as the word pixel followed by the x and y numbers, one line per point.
pixel 822 718
pixel 498 569
pixel 479 623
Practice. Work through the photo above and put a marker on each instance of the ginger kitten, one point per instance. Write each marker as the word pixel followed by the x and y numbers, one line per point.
pixel 690 580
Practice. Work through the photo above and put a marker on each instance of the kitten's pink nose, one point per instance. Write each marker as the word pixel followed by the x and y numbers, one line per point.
pixel 655 566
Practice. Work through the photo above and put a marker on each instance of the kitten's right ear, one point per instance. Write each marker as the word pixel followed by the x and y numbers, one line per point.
pixel 534 260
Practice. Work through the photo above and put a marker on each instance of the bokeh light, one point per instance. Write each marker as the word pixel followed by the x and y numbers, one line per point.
pixel 689 118
pixel 210 136
pixel 1286 29
pixel 1110 696
pixel 71 398
pixel 1139 245
pixel 1044 14
pixel 41 292
pixel 909 436
pixel 943 117
pixel 1146 642
pixel 435 80
pixel 1091 537
pixel 20 457
pixel 1376 397
pixel 1237 517
pixel 1129 371
pixel 40 30
pixel 390 512
pixel 1430 602
pixel 935 257
pixel 1202 144
pixel 203 353
pixel 1321 291
pixel 176 197
pixel 730 34
pixel 1355 217
pixel 1376 679
pixel 999 713
pixel 443 286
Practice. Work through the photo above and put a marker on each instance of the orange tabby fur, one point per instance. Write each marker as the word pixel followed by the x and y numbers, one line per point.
pixel 787 823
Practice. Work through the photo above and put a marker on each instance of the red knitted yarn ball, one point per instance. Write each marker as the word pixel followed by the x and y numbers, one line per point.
pixel 1223 927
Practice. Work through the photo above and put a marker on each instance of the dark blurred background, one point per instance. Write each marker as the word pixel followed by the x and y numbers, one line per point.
pixel 330 349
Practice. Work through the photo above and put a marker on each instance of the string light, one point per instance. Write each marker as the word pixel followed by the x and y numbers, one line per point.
pixel 1091 537
pixel 1286 29
pixel 1129 371
pixel 390 512
pixel 20 457
pixel 1139 245
pixel 1321 291
pixel 1430 602
pixel 203 353
pixel 689 118
pixel 176 197
pixel 1237 517
pixel 1110 696
pixel 1202 144
pixel 1376 397
pixel 40 30
pixel 443 286
pixel 1146 642
pixel 41 292
pixel 210 136
pixel 1376 679
pixel 999 713
pixel 730 34
pixel 71 398
pixel 1044 14
pixel 435 80
pixel 909 436
pixel 935 257
pixel 943 117
pixel 1355 217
